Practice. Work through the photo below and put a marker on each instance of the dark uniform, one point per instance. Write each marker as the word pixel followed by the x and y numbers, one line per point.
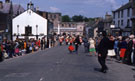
pixel 102 53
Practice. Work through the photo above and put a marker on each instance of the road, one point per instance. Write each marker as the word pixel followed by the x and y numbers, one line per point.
pixel 56 64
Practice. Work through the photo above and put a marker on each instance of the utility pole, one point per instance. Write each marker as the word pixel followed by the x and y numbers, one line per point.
pixel 58 28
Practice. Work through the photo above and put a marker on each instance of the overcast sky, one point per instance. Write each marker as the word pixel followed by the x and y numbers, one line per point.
pixel 88 8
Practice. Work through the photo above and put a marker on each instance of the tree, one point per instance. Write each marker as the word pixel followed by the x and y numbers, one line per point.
pixel 77 18
pixel 91 19
pixel 66 18
pixel 86 19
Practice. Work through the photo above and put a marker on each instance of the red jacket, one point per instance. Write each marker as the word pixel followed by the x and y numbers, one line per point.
pixel 1 47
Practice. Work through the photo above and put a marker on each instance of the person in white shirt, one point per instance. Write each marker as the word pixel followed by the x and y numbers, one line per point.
pixel 92 47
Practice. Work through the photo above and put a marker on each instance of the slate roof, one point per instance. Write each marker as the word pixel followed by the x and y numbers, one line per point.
pixel 16 8
pixel 126 6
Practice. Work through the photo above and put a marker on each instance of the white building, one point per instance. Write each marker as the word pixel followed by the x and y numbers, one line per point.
pixel 29 25
pixel 122 19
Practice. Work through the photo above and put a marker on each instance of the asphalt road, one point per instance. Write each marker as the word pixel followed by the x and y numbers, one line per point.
pixel 56 64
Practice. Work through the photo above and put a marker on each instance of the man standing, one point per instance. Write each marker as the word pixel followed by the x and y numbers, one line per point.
pixel 42 44
pixel 1 54
pixel 134 54
pixel 129 50
pixel 77 42
pixel 45 43
pixel 102 52
pixel 86 45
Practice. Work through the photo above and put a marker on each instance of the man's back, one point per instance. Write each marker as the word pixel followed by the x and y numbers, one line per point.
pixel 103 46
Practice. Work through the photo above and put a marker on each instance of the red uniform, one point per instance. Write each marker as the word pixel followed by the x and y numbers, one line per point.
pixel 66 40
pixel 36 43
pixel 1 47
pixel 71 48
pixel 60 40
pixel 39 43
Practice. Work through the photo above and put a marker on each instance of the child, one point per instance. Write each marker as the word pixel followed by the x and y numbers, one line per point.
pixel 16 52
pixel 71 48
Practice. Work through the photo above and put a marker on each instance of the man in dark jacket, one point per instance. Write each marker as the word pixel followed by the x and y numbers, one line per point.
pixel 129 52
pixel 42 43
pixel 134 57
pixel 77 42
pixel 1 54
pixel 86 44
pixel 102 52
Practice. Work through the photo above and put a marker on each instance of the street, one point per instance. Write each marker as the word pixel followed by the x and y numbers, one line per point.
pixel 56 64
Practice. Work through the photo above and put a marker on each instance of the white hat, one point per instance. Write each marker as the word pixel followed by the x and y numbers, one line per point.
pixel 120 37
pixel 131 36
pixel 134 39
pixel 90 38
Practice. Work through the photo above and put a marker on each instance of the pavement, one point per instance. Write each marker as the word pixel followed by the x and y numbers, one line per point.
pixel 56 64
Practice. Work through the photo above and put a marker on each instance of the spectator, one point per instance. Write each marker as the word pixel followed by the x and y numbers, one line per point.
pixel 123 48
pixel 92 46
pixel 1 53
pixel 111 52
pixel 77 42
pixel 86 45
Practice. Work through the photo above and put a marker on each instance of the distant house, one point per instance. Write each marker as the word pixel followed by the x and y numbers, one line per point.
pixel 72 28
pixel 94 28
pixel 29 25
pixel 8 11
pixel 55 18
pixel 108 22
pixel 89 29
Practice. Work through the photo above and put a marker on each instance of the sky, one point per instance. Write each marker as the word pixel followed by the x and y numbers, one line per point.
pixel 88 8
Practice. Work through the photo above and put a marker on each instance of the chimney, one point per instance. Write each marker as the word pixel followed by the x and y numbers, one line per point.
pixel 37 8
pixel 7 1
pixel 1 4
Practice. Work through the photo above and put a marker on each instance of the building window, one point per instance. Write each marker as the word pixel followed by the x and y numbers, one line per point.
pixel 128 12
pixel 114 22
pixel 55 16
pixel 121 22
pixel 69 25
pixel 114 15
pixel 118 23
pixel 119 14
pixel 122 14
pixel 62 25
pixel 128 23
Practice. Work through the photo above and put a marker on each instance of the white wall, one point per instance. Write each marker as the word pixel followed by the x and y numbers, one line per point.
pixel 32 19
